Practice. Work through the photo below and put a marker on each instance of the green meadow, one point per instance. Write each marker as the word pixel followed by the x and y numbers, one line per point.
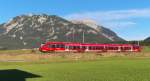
pixel 104 69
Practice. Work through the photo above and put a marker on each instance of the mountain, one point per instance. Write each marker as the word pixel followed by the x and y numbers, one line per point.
pixel 107 33
pixel 29 31
pixel 147 39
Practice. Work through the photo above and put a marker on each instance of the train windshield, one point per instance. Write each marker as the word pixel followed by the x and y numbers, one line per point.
pixel 42 44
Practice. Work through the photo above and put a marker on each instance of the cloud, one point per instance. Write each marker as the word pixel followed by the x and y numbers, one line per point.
pixel 115 18
pixel 119 24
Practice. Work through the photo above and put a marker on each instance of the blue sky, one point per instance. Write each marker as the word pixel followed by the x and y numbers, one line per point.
pixel 128 18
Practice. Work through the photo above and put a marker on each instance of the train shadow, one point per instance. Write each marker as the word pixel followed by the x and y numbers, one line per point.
pixel 16 75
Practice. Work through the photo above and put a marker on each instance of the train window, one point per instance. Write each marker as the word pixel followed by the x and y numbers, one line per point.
pixel 127 48
pixel 113 48
pixel 90 48
pixel 83 47
pixel 94 48
pixel 53 46
pixel 62 46
pixel 101 48
pixel 98 48
pixel 136 47
pixel 122 48
pixel 66 47
pixel 78 47
pixel 70 47
pixel 110 48
pixel 116 48
pixel 57 46
pixel 49 46
pixel 74 47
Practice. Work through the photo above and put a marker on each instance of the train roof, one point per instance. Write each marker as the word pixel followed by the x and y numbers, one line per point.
pixel 89 44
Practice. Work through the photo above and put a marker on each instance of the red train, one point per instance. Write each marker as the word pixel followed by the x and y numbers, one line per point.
pixel 87 47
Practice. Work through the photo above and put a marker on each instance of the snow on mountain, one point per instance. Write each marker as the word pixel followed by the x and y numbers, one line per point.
pixel 89 22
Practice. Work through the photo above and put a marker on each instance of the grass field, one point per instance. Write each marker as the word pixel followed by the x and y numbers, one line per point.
pixel 75 67
pixel 104 69
pixel 146 49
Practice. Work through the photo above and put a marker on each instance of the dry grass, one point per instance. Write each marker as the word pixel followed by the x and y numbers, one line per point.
pixel 35 55
pixel 64 56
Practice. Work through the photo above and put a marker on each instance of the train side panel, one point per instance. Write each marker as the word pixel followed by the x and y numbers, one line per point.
pixel 78 47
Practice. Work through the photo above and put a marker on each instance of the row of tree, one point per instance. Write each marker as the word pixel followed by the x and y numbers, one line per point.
pixel 142 43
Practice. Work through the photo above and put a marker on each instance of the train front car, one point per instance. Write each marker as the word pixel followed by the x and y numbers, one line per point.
pixel 52 47
pixel 43 48
pixel 137 48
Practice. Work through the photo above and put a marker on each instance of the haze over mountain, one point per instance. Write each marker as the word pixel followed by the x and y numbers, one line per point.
pixel 29 31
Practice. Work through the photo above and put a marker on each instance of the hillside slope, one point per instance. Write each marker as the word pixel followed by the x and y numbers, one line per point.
pixel 29 31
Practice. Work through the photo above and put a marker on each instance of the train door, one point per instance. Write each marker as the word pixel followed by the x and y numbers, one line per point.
pixel 66 47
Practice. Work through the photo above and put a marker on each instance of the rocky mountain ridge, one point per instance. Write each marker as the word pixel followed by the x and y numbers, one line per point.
pixel 29 31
